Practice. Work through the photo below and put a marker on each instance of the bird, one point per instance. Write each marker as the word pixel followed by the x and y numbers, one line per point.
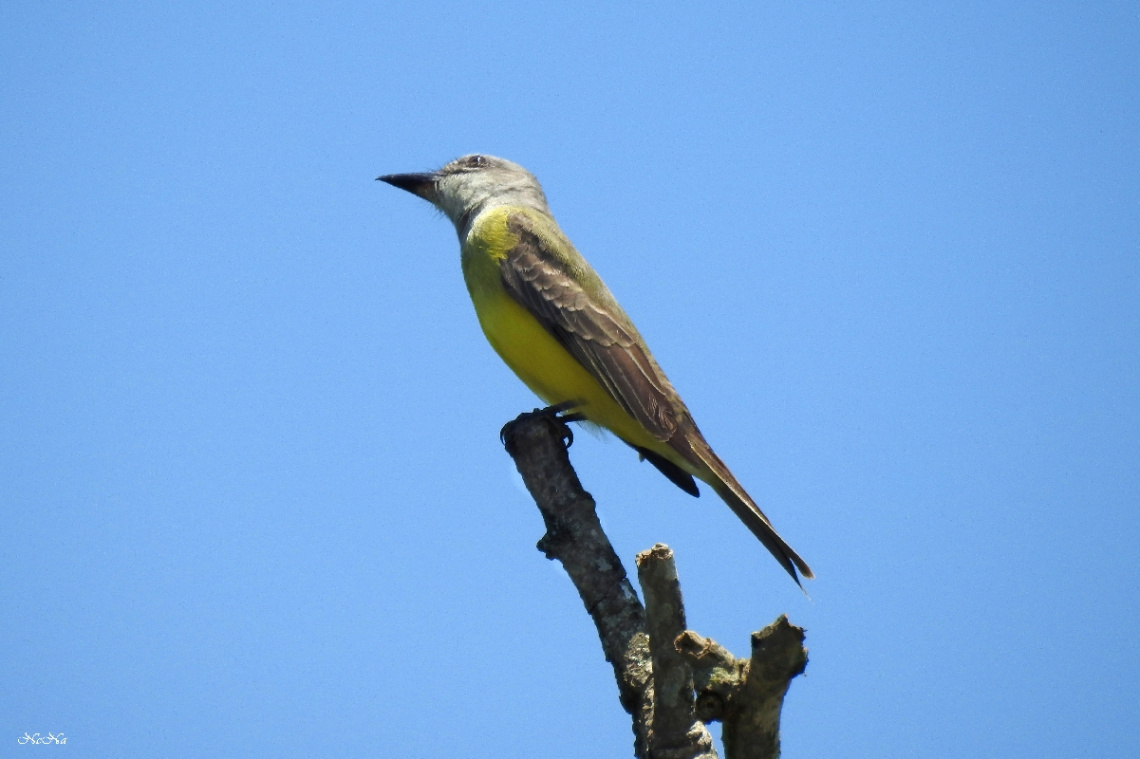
pixel 549 316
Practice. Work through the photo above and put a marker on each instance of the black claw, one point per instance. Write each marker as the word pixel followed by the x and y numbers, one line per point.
pixel 557 413
pixel 562 413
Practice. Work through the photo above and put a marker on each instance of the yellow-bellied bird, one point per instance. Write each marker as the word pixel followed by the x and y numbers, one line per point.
pixel 550 317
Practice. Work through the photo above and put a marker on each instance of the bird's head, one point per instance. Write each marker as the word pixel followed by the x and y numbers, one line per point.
pixel 471 184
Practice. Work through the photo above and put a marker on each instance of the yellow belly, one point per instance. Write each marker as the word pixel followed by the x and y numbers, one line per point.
pixel 550 370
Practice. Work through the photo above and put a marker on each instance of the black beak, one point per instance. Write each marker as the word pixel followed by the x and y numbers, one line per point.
pixel 422 185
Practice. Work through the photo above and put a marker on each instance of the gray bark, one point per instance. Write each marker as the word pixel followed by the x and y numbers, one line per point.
pixel 670 680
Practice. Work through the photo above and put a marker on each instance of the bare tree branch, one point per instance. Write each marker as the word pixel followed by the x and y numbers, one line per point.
pixel 675 732
pixel 574 536
pixel 746 694
pixel 670 680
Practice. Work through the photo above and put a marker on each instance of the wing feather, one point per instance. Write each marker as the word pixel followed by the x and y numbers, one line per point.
pixel 598 334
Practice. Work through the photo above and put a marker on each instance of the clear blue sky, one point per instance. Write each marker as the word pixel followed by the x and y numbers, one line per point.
pixel 252 498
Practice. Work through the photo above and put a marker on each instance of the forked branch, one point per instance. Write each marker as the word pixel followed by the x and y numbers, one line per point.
pixel 670 680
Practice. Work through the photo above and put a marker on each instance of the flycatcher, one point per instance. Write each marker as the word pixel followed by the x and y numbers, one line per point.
pixel 552 320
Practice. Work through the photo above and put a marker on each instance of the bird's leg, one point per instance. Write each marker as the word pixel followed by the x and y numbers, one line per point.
pixel 559 411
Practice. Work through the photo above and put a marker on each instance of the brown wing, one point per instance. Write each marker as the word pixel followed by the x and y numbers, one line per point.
pixel 604 342
pixel 598 338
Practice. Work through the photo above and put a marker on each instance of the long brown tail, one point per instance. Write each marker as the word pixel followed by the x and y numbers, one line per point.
pixel 754 520
pixel 690 443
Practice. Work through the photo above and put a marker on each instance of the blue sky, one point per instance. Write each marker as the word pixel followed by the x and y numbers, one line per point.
pixel 252 495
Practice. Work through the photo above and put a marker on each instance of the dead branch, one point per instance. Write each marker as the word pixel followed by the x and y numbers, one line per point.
pixel 670 680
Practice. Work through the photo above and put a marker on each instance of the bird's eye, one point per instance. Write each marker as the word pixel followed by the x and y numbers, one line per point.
pixel 476 161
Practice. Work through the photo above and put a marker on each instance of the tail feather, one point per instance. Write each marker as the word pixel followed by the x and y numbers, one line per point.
pixel 754 520
pixel 692 446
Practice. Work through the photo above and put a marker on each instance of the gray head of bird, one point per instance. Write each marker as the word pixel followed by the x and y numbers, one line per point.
pixel 472 184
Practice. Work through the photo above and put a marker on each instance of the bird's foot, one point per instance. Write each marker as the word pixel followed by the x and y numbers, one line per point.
pixel 560 413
